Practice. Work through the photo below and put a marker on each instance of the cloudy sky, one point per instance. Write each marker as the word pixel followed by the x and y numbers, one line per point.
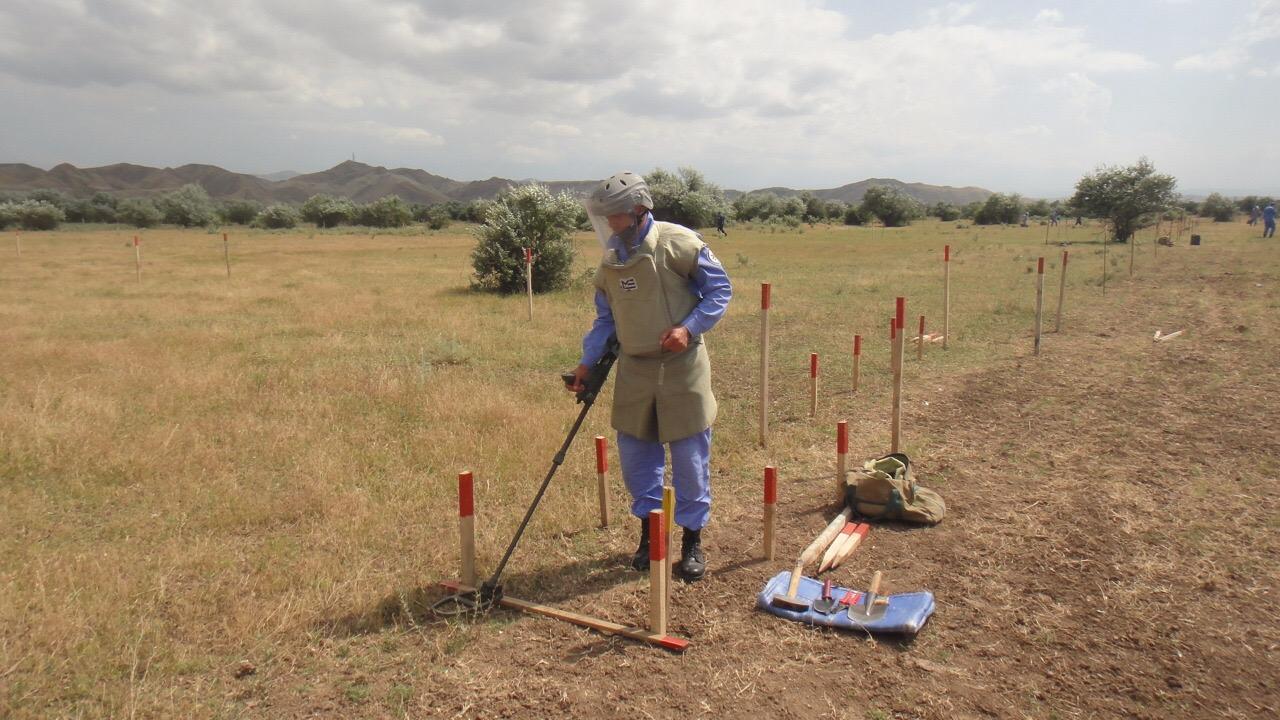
pixel 1009 95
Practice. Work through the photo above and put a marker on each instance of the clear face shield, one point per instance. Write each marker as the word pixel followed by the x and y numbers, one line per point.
pixel 619 195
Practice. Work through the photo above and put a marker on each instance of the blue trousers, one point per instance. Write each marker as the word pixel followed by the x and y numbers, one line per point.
pixel 1269 229
pixel 643 463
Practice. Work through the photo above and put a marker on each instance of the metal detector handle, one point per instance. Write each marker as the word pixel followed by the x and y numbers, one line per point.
pixel 594 382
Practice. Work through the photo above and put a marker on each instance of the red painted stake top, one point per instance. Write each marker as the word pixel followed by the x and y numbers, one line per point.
pixel 136 242
pixel 602 457
pixel 1040 266
pixel 466 495
pixel 1064 258
pixel 857 344
pixel 224 237
pixel 657 537
pixel 764 296
pixel 946 253
pixel 842 437
pixel 922 325
pixel 528 256
pixel 813 364
pixel 902 313
pixel 770 485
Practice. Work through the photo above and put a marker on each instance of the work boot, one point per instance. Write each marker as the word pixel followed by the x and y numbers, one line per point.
pixel 693 563
pixel 640 561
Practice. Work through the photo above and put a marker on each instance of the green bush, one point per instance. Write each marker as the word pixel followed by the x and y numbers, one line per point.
pixel 8 214
pixel 277 217
pixel 385 212
pixel 520 217
pixel 50 197
pixel 945 211
pixel 101 208
pixel 1218 207
pixel 32 215
pixel 239 212
pixel 438 217
pixel 893 207
pixel 685 198
pixel 999 209
pixel 855 215
pixel 326 211
pixel 138 212
pixel 188 206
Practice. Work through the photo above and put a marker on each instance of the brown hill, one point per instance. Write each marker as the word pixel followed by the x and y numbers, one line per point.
pixel 364 183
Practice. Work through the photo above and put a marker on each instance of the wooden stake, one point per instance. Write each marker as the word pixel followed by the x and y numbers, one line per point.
pixel 859 534
pixel 1133 243
pixel 668 522
pixel 770 509
pixel 137 257
pixel 813 384
pixel 17 239
pixel 528 277
pixel 1039 302
pixel 657 574
pixel 899 327
pixel 1062 293
pixel 226 254
pixel 602 483
pixel 836 546
pixel 857 360
pixel 842 458
pixel 467 526
pixel 1104 261
pixel 605 626
pixel 764 364
pixel 920 344
pixel 946 295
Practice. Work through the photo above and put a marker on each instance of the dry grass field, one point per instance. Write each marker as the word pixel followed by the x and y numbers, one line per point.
pixel 233 497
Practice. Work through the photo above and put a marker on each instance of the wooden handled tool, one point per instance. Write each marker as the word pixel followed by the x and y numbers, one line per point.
pixel 810 554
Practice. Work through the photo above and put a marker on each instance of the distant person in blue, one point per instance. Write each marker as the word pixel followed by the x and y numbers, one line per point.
pixel 720 224
pixel 1269 220
pixel 1254 215
pixel 659 289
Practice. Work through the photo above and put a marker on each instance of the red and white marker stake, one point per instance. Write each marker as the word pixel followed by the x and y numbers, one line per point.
pixel 899 333
pixel 770 509
pixel 813 384
pixel 528 277
pixel 764 364
pixel 857 360
pixel 946 295
pixel 1039 302
pixel 657 574
pixel 137 257
pixel 842 458
pixel 467 526
pixel 226 254
pixel 920 346
pixel 1062 293
pixel 602 484
pixel 668 522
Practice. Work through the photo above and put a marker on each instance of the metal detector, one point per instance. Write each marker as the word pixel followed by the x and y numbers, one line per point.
pixel 490 591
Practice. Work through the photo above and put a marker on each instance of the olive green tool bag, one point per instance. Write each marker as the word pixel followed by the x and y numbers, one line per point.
pixel 884 489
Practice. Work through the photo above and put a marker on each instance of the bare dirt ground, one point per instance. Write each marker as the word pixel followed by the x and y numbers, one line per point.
pixel 1109 551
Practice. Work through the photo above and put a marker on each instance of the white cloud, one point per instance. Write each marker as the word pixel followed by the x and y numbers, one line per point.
pixel 555 129
pixel 951 13
pixel 1049 16
pixel 1261 25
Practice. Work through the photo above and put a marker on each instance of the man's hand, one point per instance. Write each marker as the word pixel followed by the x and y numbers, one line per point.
pixel 676 339
pixel 579 375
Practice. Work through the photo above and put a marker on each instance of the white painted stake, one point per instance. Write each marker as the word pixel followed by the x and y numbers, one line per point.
pixel 1039 302
pixel 137 257
pixel 764 364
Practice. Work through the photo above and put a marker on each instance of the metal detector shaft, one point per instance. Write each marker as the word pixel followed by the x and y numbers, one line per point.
pixel 594 382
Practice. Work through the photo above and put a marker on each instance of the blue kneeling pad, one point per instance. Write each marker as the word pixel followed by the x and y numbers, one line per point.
pixel 905 614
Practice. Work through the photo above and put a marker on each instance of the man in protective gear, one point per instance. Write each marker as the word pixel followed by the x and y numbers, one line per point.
pixel 659 289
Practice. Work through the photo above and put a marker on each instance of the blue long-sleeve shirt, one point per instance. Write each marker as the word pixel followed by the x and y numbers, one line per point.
pixel 709 282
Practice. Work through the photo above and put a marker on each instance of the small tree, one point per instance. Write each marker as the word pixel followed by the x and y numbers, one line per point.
pixel 686 198
pixel 891 206
pixel 945 211
pixel 188 206
pixel 239 212
pixel 385 212
pixel 438 217
pixel 327 212
pixel 1218 207
pixel 138 212
pixel 1124 194
pixel 525 216
pixel 38 215
pixel 277 217
pixel 856 215
pixel 999 209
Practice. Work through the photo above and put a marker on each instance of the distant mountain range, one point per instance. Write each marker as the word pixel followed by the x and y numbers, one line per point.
pixel 363 183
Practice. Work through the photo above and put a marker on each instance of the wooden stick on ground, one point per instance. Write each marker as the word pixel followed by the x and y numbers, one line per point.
pixel 811 553
pixel 852 543
pixel 605 626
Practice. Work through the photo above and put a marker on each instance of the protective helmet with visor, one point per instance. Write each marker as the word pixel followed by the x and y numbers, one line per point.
pixel 616 195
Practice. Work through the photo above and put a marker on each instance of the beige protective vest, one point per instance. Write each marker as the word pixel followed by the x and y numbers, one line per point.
pixel 658 396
